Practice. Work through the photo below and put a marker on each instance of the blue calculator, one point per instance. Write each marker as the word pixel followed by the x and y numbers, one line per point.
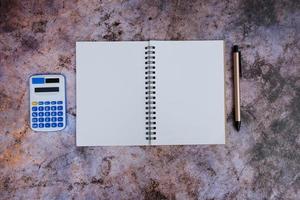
pixel 47 102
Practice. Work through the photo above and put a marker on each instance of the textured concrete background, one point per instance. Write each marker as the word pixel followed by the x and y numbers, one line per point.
pixel 262 161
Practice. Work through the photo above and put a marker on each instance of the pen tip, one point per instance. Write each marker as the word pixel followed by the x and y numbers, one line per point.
pixel 238 125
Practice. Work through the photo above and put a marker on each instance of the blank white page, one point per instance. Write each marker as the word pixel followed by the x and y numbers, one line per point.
pixel 189 92
pixel 110 93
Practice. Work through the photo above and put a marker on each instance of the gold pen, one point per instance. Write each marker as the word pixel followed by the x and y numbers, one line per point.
pixel 237 73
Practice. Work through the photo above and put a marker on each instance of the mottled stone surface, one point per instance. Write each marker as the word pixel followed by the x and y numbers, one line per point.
pixel 262 161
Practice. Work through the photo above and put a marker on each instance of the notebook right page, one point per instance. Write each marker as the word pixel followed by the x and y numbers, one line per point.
pixel 189 92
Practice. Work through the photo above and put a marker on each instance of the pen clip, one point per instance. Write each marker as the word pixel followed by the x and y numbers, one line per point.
pixel 240 61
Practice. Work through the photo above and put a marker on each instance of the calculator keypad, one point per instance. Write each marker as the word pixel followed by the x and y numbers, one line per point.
pixel 47 114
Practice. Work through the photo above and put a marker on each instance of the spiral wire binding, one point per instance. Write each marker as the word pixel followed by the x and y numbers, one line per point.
pixel 150 93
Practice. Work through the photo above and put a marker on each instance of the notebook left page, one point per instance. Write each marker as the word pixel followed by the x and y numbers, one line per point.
pixel 110 93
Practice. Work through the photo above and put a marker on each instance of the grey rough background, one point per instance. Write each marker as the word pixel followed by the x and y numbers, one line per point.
pixel 262 161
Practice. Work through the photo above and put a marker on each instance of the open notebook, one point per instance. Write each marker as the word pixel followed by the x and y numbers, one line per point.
pixel 150 93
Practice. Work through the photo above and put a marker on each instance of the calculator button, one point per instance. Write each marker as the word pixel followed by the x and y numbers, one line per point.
pixel 41 114
pixel 53 125
pixel 47 108
pixel 60 124
pixel 41 119
pixel 41 125
pixel 34 108
pixel 53 113
pixel 47 125
pixel 34 119
pixel 47 119
pixel 60 119
pixel 59 107
pixel 53 119
pixel 53 107
pixel 59 102
pixel 41 103
pixel 47 113
pixel 53 102
pixel 41 108
pixel 34 125
pixel 34 114
pixel 47 102
pixel 60 113
pixel 34 103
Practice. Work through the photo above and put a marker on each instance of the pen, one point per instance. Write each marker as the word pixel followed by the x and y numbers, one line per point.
pixel 236 77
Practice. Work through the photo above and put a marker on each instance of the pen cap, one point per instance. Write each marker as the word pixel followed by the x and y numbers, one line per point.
pixel 235 48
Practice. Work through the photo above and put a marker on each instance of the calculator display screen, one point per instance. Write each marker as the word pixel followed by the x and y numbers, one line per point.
pixel 47 89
